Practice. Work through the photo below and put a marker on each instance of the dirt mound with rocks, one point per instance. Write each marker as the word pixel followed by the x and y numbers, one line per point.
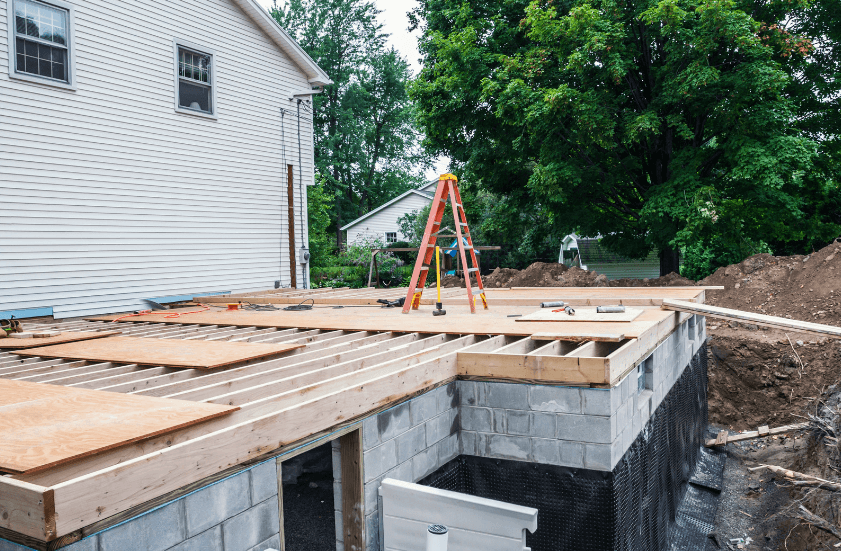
pixel 806 288
pixel 545 274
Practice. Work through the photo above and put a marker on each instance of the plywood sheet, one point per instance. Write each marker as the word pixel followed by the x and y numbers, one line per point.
pixel 48 425
pixel 581 314
pixel 160 352
pixel 66 336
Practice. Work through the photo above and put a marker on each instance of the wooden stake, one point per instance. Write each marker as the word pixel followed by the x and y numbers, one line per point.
pixel 353 491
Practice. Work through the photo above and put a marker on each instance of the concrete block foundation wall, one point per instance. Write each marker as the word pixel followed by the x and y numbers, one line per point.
pixel 239 513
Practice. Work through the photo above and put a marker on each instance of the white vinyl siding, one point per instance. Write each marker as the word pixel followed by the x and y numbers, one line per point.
pixel 633 270
pixel 384 221
pixel 110 196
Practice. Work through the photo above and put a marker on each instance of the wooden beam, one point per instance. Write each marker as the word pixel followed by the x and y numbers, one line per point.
pixel 28 509
pixel 750 317
pixel 724 437
pixel 353 491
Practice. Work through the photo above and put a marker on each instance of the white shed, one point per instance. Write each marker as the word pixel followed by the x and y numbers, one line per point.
pixel 381 223
pixel 149 149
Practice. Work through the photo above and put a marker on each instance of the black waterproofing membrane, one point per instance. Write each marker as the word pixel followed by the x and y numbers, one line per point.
pixel 632 508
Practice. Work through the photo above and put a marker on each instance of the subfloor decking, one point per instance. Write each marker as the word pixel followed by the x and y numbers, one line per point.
pixel 352 363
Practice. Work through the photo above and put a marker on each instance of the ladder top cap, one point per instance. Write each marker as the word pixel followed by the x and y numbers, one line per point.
pixel 447 177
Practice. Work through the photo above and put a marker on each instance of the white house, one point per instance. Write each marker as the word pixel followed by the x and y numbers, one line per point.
pixel 149 150
pixel 588 254
pixel 381 223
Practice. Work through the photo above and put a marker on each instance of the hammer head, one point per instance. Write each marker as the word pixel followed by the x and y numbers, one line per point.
pixel 439 312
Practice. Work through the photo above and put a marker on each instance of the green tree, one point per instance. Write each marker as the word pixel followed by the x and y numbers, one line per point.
pixel 322 247
pixel 665 124
pixel 367 146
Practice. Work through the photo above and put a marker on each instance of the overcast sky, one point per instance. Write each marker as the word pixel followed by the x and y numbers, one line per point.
pixel 396 24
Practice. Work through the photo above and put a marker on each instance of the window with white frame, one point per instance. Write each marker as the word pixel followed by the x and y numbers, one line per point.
pixel 195 80
pixel 391 237
pixel 42 40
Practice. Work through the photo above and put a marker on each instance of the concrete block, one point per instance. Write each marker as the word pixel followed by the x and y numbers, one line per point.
pixel 424 463
pixel 597 457
pixel 90 543
pixel 379 460
pixel 467 392
pixel 372 532
pixel 448 397
pixel 410 443
pixel 543 425
pixel 439 427
pixel 476 419
pixel 271 543
pixel 597 401
pixel 338 521
pixel 394 421
pixel 337 495
pixel 370 433
pixel 625 388
pixel 371 489
pixel 252 527
pixel 586 428
pixel 517 422
pixel 545 451
pixel 424 407
pixel 571 454
pixel 263 481
pixel 508 447
pixel 467 443
pixel 212 505
pixel 336 457
pixel 402 472
pixel 209 540
pixel 6 545
pixel 500 421
pixel 340 546
pixel 507 396
pixel 447 450
pixel 155 531
pixel 555 399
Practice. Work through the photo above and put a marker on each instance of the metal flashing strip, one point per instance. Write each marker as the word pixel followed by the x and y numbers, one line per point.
pixel 23 313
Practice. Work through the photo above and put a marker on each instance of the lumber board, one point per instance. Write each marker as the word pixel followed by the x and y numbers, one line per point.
pixel 65 336
pixel 750 317
pixel 577 336
pixel 724 437
pixel 581 314
pixel 48 425
pixel 27 508
pixel 161 352
pixel 539 369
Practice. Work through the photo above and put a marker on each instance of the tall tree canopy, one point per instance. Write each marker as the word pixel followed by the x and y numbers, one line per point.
pixel 707 126
pixel 367 146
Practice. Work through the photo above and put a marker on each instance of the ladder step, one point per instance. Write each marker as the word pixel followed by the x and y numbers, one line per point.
pixel 462 223
pixel 424 268
pixel 472 270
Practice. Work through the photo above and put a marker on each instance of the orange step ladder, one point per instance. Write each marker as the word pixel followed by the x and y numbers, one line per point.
pixel 447 188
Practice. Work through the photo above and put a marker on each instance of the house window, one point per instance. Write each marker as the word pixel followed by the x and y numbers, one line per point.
pixel 195 80
pixel 391 237
pixel 42 40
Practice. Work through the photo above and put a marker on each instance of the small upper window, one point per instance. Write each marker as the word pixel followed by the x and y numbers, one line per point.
pixel 391 237
pixel 195 81
pixel 42 43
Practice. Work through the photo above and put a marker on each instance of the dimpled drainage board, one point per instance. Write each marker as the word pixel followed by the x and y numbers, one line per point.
pixel 632 508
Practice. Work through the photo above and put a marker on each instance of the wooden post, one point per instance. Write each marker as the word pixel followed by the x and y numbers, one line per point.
pixel 290 222
pixel 353 491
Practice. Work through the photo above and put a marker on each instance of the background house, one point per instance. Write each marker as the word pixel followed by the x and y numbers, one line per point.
pixel 381 223
pixel 588 254
pixel 149 150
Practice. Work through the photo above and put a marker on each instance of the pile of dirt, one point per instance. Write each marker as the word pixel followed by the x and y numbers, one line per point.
pixel 806 288
pixel 544 274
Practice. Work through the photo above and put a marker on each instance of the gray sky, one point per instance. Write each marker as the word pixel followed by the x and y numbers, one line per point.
pixel 396 24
